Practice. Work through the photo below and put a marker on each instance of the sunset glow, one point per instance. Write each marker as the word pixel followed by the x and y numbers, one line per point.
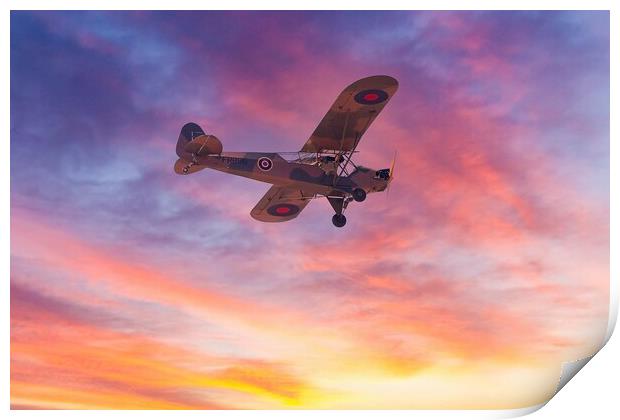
pixel 486 263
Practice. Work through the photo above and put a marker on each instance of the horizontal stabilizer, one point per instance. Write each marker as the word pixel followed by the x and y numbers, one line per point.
pixel 205 144
pixel 183 167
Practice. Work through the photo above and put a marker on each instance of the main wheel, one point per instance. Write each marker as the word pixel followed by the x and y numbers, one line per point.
pixel 339 220
pixel 359 195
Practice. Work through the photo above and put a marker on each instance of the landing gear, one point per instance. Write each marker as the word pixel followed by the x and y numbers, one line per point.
pixel 339 220
pixel 338 202
pixel 359 195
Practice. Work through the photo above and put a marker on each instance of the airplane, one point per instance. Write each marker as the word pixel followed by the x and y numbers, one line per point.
pixel 323 167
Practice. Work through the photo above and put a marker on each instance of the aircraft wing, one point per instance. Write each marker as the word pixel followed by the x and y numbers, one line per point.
pixel 351 114
pixel 280 204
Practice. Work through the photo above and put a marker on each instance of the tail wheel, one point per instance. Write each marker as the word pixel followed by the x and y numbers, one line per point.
pixel 359 195
pixel 339 220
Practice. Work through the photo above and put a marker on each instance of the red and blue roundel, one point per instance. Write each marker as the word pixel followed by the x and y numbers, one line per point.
pixel 283 210
pixel 371 97
pixel 264 164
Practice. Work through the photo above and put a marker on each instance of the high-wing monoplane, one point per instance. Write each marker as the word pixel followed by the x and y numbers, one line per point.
pixel 324 166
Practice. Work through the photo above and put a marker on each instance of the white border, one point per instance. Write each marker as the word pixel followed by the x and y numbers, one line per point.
pixel 594 390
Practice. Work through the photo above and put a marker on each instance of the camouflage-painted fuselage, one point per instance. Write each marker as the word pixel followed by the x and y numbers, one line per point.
pixel 311 178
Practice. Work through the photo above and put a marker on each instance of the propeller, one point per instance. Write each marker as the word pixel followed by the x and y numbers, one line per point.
pixel 391 178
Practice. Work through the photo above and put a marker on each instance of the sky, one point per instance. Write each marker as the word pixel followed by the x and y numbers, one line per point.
pixel 467 286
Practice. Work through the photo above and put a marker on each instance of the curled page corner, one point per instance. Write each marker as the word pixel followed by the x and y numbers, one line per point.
pixel 570 369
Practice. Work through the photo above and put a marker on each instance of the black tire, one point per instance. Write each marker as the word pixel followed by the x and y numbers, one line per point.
pixel 359 195
pixel 339 220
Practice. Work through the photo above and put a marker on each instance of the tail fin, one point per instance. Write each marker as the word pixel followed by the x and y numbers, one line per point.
pixel 194 142
pixel 188 133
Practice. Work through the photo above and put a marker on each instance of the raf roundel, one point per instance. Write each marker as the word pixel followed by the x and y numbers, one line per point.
pixel 283 210
pixel 264 164
pixel 371 97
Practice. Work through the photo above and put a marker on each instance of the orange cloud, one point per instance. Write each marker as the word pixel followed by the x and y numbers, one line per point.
pixel 58 360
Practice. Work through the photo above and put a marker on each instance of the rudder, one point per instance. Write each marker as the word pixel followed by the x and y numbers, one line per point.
pixel 188 133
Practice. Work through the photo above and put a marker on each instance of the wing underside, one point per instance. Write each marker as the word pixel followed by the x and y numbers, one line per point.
pixel 351 114
pixel 280 204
